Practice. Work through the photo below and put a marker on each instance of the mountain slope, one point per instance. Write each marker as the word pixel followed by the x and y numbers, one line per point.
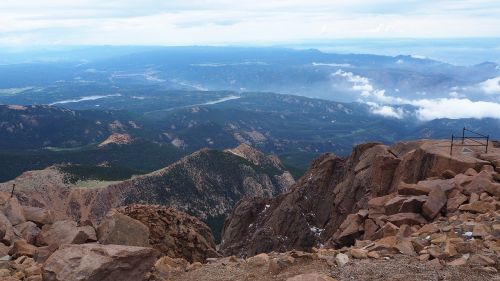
pixel 206 184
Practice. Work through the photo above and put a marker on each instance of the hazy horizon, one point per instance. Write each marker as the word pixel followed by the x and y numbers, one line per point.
pixel 458 51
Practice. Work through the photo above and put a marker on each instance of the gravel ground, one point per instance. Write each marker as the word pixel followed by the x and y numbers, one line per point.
pixel 399 269
pixel 407 269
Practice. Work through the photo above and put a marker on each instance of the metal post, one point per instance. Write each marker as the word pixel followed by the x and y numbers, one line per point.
pixel 487 142
pixel 451 146
pixel 463 135
pixel 12 192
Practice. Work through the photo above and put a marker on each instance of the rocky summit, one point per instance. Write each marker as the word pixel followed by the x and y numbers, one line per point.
pixel 342 200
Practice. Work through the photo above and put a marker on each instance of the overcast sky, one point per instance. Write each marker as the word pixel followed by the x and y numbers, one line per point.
pixel 220 22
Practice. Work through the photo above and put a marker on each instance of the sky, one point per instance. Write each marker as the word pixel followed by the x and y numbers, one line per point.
pixel 229 22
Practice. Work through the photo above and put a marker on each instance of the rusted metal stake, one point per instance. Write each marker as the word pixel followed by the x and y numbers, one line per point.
pixel 12 192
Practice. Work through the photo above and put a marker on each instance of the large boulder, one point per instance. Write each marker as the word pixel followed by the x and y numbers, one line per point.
pixel 435 202
pixel 174 233
pixel 6 228
pixel 22 248
pixel 38 215
pixel 94 262
pixel 29 231
pixel 62 232
pixel 11 208
pixel 406 218
pixel 120 229
pixel 478 183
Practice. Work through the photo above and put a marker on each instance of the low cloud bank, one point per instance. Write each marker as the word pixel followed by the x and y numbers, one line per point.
pixel 491 86
pixel 456 107
pixel 429 109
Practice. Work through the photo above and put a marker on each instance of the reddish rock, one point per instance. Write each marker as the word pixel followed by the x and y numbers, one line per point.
pixel 405 247
pixel 358 253
pixel 404 204
pixel 448 174
pixel 493 189
pixel 454 202
pixel 349 230
pixel 480 260
pixel 61 232
pixel 22 248
pixel 479 183
pixel 413 204
pixel 428 229
pixel 90 231
pixel 29 231
pixel 11 208
pixel 376 205
pixel 94 262
pixel 370 228
pixel 412 189
pixel 406 218
pixel 174 233
pixel 470 172
pixel 419 244
pixel 447 186
pixel 435 202
pixel 120 229
pixel 6 229
pixel 388 229
pixel 478 207
pixel 392 206
pixel 38 215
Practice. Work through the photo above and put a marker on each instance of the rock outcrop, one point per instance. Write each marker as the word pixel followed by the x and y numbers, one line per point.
pixel 93 262
pixel 120 229
pixel 174 233
pixel 68 250
pixel 339 201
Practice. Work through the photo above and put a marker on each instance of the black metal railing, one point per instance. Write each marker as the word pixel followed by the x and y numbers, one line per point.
pixel 477 140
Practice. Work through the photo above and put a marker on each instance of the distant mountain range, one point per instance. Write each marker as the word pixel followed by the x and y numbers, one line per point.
pixel 296 128
pixel 165 103
pixel 339 77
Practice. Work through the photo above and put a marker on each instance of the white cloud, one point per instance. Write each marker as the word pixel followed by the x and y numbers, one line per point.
pixel 491 86
pixel 387 111
pixel 429 109
pixel 426 109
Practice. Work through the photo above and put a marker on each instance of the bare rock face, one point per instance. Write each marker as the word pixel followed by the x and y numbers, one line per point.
pixel 120 229
pixel 62 232
pixel 93 262
pixel 316 207
pixel 339 201
pixel 174 233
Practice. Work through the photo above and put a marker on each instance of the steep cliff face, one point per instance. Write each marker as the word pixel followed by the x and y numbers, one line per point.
pixel 333 188
pixel 205 184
